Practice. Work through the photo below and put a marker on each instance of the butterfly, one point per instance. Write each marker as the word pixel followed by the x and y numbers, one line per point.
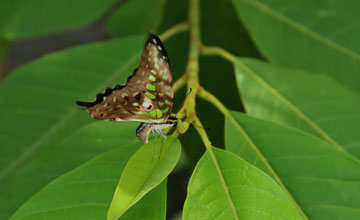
pixel 147 96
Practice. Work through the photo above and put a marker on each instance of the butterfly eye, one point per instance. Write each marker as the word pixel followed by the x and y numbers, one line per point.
pixel 149 107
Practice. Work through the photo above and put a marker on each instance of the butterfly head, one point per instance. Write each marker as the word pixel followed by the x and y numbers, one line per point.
pixel 144 129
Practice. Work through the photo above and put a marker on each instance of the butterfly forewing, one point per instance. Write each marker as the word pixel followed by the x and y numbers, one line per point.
pixel 147 95
pixel 154 76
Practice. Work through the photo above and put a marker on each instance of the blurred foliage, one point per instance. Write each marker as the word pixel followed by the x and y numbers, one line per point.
pixel 135 17
pixel 23 19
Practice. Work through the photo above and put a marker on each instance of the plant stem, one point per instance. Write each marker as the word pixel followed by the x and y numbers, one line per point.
pixel 218 51
pixel 207 96
pixel 200 129
pixel 193 83
pixel 174 30
pixel 192 68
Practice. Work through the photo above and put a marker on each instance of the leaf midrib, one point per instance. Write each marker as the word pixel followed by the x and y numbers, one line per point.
pixel 15 163
pixel 223 182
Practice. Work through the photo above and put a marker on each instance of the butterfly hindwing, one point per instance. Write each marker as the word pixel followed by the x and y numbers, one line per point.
pixel 147 95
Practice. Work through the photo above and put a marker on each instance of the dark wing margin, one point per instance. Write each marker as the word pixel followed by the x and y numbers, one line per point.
pixel 158 42
pixel 99 97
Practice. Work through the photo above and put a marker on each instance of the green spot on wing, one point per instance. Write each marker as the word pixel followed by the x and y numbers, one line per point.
pixel 165 110
pixel 167 102
pixel 150 95
pixel 150 87
pixel 153 113
pixel 158 113
pixel 160 103
pixel 145 113
pixel 160 94
pixel 152 78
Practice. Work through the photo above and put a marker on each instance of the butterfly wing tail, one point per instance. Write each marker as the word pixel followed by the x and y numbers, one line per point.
pixel 99 97
pixel 84 104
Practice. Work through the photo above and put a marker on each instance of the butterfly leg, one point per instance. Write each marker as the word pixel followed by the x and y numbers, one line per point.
pixel 161 133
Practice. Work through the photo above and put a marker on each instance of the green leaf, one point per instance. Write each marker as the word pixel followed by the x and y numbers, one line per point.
pixel 313 103
pixel 317 36
pixel 78 148
pixel 37 102
pixel 223 186
pixel 144 171
pixel 136 17
pixel 175 12
pixel 86 192
pixel 323 180
pixel 22 19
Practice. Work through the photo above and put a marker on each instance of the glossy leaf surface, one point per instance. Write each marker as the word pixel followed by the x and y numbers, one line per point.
pixel 227 187
pixel 313 103
pixel 318 36
pixel 322 179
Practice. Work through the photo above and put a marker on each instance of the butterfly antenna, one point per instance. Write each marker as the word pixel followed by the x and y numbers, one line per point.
pixel 190 90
